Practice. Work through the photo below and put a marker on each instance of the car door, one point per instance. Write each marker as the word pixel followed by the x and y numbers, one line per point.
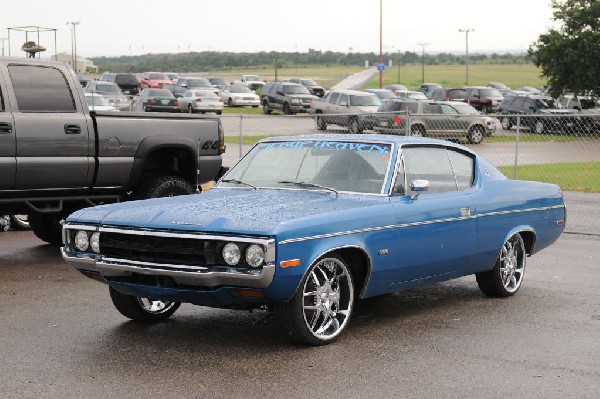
pixel 436 230
pixel 8 143
pixel 53 143
pixel 452 121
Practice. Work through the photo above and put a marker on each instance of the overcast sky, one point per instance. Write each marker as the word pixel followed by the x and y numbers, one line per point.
pixel 112 27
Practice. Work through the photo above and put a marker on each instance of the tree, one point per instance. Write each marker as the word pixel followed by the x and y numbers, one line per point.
pixel 569 55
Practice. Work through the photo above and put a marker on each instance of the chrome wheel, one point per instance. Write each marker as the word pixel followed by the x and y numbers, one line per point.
pixel 155 307
pixel 328 296
pixel 539 127
pixel 506 123
pixel 512 264
pixel 475 135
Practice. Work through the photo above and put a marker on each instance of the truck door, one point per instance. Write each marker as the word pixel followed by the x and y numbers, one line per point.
pixel 52 137
pixel 8 162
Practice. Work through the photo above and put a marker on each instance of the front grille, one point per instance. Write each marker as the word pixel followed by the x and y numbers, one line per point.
pixel 155 249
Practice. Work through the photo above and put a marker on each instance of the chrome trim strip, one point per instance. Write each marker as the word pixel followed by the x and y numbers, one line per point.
pixel 424 223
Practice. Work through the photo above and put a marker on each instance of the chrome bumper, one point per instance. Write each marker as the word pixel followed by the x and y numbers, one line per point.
pixel 188 275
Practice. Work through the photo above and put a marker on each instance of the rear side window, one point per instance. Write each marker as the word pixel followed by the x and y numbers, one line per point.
pixel 41 89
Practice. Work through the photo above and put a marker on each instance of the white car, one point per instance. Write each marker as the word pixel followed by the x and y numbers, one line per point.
pixel 238 95
pixel 200 101
pixel 96 102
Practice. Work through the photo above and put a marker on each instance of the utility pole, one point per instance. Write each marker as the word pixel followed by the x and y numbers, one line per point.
pixel 380 44
pixel 466 32
pixel 423 60
pixel 276 62
pixel 74 43
pixel 3 39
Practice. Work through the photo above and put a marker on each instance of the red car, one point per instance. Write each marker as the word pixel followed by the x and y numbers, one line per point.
pixel 156 80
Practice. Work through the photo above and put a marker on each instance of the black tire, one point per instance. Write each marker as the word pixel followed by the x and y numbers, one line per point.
pixel 476 134
pixel 320 309
pixel 266 108
pixel 506 123
pixel 19 222
pixel 507 275
pixel 219 112
pixel 321 124
pixel 163 186
pixel 287 110
pixel 47 227
pixel 230 102
pixel 142 309
pixel 354 126
pixel 147 109
pixel 417 131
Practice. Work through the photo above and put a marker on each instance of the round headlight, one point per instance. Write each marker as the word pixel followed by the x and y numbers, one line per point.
pixel 95 242
pixel 255 255
pixel 231 254
pixel 81 240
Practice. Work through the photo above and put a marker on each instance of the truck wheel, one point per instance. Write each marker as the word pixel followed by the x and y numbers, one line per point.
pixel 142 309
pixel 266 108
pixel 19 222
pixel 47 227
pixel 321 124
pixel 354 126
pixel 287 109
pixel 163 186
pixel 506 123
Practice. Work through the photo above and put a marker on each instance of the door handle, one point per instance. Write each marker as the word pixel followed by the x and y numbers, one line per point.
pixel 72 129
pixel 5 128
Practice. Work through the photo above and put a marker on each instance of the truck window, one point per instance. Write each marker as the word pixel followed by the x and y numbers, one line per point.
pixel 41 89
pixel 1 101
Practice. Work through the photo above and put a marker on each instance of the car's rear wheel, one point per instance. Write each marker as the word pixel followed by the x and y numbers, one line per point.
pixel 355 126
pixel 19 222
pixel 475 135
pixel 506 123
pixel 142 309
pixel 539 126
pixel 417 131
pixel 321 124
pixel 163 186
pixel 320 309
pixel 507 275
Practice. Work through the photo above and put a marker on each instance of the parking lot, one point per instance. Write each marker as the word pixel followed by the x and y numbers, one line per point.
pixel 61 336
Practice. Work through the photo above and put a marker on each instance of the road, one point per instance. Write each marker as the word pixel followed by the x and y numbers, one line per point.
pixel 62 338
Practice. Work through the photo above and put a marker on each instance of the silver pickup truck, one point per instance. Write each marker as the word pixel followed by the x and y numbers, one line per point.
pixel 56 156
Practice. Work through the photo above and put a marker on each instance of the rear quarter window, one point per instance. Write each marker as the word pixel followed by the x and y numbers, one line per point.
pixel 41 89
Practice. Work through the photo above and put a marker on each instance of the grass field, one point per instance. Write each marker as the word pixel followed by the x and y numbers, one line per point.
pixel 579 176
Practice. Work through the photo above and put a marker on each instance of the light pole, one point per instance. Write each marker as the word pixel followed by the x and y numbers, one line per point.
pixel 380 44
pixel 423 60
pixel 74 43
pixel 276 61
pixel 3 39
pixel 466 32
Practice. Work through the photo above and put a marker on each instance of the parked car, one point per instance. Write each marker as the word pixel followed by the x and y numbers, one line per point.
pixel 192 83
pixel 126 81
pixel 539 113
pixel 449 95
pixel 156 100
pixel 445 119
pixel 427 88
pixel 395 87
pixel 253 82
pixel 529 89
pixel 498 86
pixel 484 99
pixel 382 94
pixel 410 95
pixel 202 101
pixel 110 91
pixel 239 95
pixel 307 225
pixel 351 108
pixel 97 102
pixel 290 98
pixel 173 76
pixel 313 87
pixel 156 80
pixel 580 103
pixel 218 83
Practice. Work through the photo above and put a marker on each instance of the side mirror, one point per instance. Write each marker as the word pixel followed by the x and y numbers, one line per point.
pixel 418 186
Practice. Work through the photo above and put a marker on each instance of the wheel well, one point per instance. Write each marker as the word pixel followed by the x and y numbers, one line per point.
pixel 417 126
pixel 359 264
pixel 528 240
pixel 477 127
pixel 177 161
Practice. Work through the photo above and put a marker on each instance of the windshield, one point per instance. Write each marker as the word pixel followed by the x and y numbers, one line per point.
pixel 416 95
pixel 239 89
pixel 199 83
pixel 465 109
pixel 309 82
pixel 363 101
pixel 339 165
pixel 158 76
pixel 108 88
pixel 548 103
pixel 252 78
pixel 295 89
pixel 96 100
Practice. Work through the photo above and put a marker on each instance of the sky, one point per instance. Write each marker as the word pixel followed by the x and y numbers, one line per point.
pixel 134 27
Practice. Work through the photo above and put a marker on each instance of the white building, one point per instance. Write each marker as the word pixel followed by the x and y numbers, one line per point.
pixel 83 65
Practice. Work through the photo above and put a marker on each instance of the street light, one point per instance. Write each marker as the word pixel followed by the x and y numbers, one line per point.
pixel 74 43
pixel 423 60
pixel 466 32
pixel 3 39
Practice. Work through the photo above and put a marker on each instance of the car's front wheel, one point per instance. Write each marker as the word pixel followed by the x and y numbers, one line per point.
pixel 321 307
pixel 506 123
pixel 539 126
pixel 321 124
pixel 475 135
pixel 266 108
pixel 142 309
pixel 508 272
pixel 355 126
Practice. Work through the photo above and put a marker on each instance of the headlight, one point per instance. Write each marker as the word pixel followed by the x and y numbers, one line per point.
pixel 231 254
pixel 255 255
pixel 95 242
pixel 81 240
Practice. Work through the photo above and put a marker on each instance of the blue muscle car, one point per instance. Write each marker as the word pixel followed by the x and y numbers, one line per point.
pixel 308 224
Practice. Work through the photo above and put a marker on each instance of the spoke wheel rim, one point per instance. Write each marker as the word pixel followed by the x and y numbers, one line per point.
pixel 328 298
pixel 512 264
pixel 539 127
pixel 153 306
pixel 476 136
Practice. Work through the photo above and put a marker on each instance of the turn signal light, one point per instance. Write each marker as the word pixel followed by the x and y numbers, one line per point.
pixel 290 263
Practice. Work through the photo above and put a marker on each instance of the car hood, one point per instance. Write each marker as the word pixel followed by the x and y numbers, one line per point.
pixel 229 210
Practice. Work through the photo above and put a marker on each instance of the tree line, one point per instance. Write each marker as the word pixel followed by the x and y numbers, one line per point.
pixel 211 60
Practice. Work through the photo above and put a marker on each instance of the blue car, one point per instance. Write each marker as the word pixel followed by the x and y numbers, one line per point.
pixel 307 225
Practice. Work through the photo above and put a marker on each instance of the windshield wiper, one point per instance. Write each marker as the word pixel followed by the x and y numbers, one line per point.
pixel 307 184
pixel 242 183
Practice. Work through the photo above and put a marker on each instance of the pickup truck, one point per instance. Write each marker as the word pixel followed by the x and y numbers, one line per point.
pixel 253 82
pixel 351 108
pixel 56 156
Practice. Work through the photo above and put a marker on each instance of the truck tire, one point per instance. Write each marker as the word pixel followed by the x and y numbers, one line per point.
pixel 163 186
pixel 19 222
pixel 266 108
pixel 47 227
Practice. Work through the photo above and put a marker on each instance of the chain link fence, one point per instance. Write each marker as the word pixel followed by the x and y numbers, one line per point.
pixel 560 149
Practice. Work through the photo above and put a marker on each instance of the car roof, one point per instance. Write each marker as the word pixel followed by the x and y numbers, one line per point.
pixel 351 92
